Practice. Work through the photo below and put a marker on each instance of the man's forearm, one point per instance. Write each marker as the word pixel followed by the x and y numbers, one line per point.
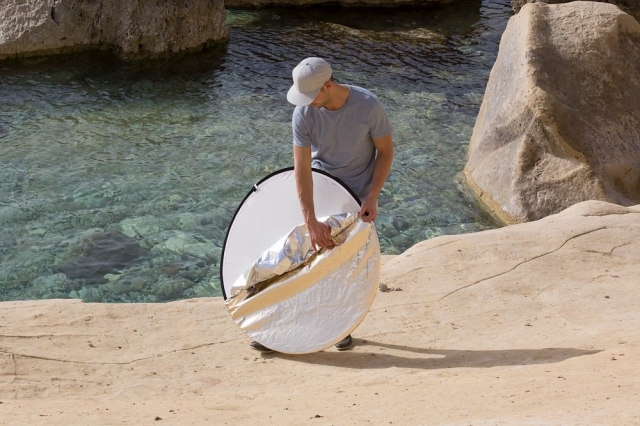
pixel 304 186
pixel 320 233
pixel 304 182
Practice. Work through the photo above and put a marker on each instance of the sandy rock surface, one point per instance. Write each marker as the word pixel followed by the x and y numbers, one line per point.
pixel 529 324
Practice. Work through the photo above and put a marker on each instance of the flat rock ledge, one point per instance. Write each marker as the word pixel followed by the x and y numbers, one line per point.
pixel 132 29
pixel 535 323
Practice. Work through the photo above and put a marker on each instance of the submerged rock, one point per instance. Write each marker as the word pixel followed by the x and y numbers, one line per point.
pixel 50 286
pixel 102 254
pixel 417 35
pixel 193 245
pixel 170 289
pixel 140 226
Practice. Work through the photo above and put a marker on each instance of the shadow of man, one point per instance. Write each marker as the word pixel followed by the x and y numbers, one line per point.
pixel 383 355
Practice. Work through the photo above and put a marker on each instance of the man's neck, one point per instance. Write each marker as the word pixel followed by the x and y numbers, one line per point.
pixel 339 97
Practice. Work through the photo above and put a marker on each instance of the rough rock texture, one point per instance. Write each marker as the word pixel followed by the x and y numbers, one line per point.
pixel 132 28
pixel 531 324
pixel 632 7
pixel 560 116
pixel 343 3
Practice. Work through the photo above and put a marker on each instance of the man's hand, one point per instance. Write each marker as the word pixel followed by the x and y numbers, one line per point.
pixel 369 209
pixel 320 234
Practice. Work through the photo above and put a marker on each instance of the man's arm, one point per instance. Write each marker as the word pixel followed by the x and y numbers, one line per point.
pixel 319 232
pixel 381 169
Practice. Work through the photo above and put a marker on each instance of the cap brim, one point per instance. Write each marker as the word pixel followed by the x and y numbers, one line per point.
pixel 301 99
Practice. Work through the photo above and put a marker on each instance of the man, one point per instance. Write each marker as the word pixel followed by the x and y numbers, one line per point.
pixel 343 130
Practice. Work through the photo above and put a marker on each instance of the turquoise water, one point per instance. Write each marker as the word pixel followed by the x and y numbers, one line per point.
pixel 118 180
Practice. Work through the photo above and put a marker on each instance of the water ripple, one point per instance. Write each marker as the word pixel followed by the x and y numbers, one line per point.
pixel 164 151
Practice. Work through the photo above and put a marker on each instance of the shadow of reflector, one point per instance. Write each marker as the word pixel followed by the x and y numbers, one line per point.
pixel 381 355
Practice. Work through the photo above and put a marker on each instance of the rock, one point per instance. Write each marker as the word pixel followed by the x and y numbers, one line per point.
pixel 560 116
pixel 175 200
pixel 36 229
pixel 131 29
pixel 400 223
pixel 402 241
pixel 632 7
pixel 193 245
pixel 47 286
pixel 343 3
pixel 416 35
pixel 170 289
pixel 117 288
pixel 201 290
pixel 102 254
pixel 125 284
pixel 140 226
pixel 385 289
pixel 89 294
pixel 187 221
pixel 22 267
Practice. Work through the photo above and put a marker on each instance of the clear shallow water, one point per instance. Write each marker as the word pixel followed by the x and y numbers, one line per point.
pixel 118 180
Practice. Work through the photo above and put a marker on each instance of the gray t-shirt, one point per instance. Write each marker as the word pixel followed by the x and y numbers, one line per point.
pixel 342 141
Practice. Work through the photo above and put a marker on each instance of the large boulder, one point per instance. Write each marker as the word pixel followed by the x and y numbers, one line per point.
pixel 632 7
pixel 560 116
pixel 131 29
pixel 342 3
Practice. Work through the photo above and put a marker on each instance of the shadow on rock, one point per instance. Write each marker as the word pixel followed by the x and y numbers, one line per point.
pixel 436 358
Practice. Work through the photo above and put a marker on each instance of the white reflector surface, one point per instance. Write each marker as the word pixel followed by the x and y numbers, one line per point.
pixel 320 303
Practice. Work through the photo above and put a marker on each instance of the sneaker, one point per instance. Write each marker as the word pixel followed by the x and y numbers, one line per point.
pixel 260 348
pixel 344 344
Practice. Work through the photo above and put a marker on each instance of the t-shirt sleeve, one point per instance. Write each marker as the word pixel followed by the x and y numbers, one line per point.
pixel 301 134
pixel 379 122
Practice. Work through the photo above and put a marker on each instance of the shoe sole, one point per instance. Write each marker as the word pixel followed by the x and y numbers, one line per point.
pixel 345 348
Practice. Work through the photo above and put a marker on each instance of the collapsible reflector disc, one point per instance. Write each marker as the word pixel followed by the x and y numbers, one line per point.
pixel 319 305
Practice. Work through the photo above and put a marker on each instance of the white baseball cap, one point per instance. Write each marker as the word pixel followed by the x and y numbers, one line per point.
pixel 308 78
